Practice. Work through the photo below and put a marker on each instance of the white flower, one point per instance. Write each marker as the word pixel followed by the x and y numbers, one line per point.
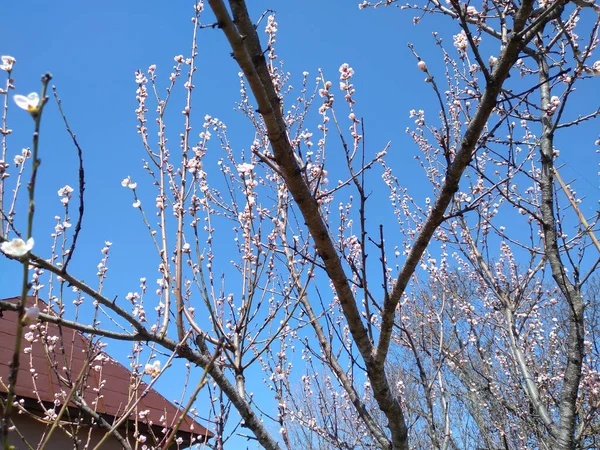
pixel 493 61
pixel 152 369
pixel 461 42
pixel 31 315
pixel 346 72
pixel 17 247
pixel 245 168
pixel 137 204
pixel 65 191
pixel 140 78
pixel 7 63
pixel 30 103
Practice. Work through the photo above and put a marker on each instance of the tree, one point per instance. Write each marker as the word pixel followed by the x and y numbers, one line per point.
pixel 481 332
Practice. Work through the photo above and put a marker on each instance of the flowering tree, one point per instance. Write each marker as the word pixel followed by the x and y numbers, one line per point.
pixel 474 326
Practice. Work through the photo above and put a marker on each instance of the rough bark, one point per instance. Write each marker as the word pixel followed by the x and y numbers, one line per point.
pixel 565 428
pixel 248 53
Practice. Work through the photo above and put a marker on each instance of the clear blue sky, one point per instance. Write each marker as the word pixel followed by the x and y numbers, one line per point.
pixel 93 49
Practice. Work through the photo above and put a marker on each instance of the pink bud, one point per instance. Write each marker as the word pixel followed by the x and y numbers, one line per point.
pixel 421 65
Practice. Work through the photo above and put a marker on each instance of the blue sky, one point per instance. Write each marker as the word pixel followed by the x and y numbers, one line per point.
pixel 93 49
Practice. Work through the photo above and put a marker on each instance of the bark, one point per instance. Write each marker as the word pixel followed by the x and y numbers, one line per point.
pixel 468 146
pixel 251 420
pixel 248 53
pixel 333 362
pixel 565 429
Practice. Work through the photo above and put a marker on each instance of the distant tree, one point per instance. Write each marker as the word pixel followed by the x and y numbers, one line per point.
pixel 471 324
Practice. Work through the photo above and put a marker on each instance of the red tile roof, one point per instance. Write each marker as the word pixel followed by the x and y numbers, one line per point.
pixel 115 395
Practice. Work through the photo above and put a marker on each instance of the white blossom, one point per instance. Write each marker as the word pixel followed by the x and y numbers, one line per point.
pixel 7 63
pixel 152 369
pixel 31 103
pixel 245 168
pixel 17 247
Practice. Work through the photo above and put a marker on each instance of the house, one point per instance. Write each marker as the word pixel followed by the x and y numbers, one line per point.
pixel 52 359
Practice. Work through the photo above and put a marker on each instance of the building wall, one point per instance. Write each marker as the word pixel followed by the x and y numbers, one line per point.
pixel 33 431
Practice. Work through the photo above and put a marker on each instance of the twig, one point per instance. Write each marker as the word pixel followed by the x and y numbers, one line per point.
pixel 81 180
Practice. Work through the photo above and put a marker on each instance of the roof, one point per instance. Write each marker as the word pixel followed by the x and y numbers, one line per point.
pixel 115 396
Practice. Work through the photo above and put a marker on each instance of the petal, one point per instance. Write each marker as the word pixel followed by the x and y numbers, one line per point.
pixel 30 243
pixel 22 102
pixel 30 103
pixel 34 99
pixel 15 248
